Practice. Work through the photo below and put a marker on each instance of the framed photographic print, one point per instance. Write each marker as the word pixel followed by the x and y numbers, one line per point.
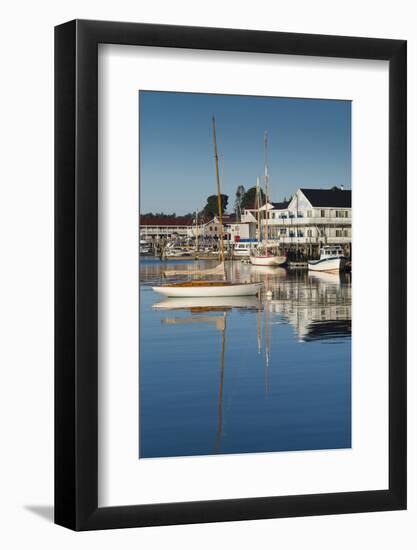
pixel 230 275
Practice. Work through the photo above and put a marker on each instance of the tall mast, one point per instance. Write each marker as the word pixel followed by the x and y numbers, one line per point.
pixel 266 182
pixel 258 206
pixel 196 231
pixel 219 197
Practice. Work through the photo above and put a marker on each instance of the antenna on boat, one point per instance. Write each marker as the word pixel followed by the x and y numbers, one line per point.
pixel 219 197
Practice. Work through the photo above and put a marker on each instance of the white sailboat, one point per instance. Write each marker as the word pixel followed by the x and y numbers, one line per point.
pixel 208 289
pixel 264 254
pixel 267 258
pixel 203 287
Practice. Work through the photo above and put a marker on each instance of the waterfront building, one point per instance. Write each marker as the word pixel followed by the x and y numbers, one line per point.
pixel 311 219
pixel 234 230
pixel 156 227
pixel 170 227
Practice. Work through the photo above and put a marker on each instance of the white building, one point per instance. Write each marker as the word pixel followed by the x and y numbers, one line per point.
pixel 156 229
pixel 166 227
pixel 313 217
pixel 232 229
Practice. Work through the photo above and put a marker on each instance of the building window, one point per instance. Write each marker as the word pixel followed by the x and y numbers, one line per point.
pixel 282 231
pixel 309 214
pixel 309 232
pixel 341 214
pixel 322 213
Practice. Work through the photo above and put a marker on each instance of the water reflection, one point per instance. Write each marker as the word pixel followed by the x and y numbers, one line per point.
pixel 200 305
pixel 220 303
pixel 271 392
pixel 318 306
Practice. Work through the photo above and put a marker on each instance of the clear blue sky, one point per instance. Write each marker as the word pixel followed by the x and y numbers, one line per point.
pixel 309 145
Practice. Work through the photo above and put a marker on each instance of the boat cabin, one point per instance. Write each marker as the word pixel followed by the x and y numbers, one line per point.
pixel 243 247
pixel 327 252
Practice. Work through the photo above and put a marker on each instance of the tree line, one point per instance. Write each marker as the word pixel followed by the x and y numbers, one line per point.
pixel 243 199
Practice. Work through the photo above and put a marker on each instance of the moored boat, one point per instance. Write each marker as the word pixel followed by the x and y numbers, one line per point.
pixel 202 287
pixel 207 289
pixel 242 248
pixel 144 247
pixel 267 259
pixel 177 252
pixel 332 258
pixel 263 254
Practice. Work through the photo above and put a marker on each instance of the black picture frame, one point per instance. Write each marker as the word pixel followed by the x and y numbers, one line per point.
pixel 76 272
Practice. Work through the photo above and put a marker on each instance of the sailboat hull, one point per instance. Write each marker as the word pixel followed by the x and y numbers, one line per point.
pixel 208 290
pixel 268 260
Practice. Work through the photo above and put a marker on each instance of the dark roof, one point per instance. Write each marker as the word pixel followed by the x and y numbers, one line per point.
pixel 166 220
pixel 334 197
pixel 229 218
pixel 182 220
pixel 280 205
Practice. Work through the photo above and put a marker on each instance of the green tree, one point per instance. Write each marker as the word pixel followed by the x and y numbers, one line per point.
pixel 211 208
pixel 240 192
pixel 248 199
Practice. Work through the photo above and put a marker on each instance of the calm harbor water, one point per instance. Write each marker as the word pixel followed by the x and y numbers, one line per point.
pixel 244 375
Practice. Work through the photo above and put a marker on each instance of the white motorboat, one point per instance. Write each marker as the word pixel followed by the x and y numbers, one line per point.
pixel 242 249
pixel 332 258
pixel 207 289
pixel 144 247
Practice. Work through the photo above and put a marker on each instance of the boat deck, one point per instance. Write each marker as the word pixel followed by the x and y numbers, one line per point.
pixel 198 284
